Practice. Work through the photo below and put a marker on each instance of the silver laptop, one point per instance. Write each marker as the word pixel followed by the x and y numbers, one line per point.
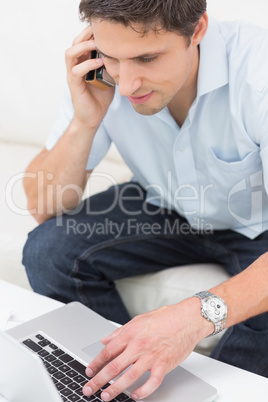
pixel 44 360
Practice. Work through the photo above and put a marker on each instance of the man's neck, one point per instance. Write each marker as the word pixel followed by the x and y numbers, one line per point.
pixel 182 101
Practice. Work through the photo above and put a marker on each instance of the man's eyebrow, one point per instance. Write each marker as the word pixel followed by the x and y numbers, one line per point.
pixel 140 56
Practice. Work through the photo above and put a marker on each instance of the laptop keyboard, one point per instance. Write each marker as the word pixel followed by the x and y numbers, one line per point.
pixel 67 373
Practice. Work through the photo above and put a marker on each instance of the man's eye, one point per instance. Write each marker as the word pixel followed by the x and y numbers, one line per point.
pixel 103 56
pixel 148 59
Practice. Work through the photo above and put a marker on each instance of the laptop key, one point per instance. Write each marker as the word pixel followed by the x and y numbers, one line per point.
pixel 78 367
pixel 66 380
pixel 43 353
pixel 47 365
pixel 59 375
pixel 52 346
pixel 73 386
pixel 79 378
pixel 66 392
pixel 64 368
pixel 106 385
pixel 82 384
pixel 122 398
pixel 44 342
pixel 58 352
pixel 52 370
pixel 98 394
pixel 79 391
pixel 66 358
pixel 50 358
pixel 40 337
pixel 71 373
pixel 32 345
pixel 73 398
pixel 57 363
pixel 59 386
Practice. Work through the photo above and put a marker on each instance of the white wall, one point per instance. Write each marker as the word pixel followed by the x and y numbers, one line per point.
pixel 255 11
pixel 33 37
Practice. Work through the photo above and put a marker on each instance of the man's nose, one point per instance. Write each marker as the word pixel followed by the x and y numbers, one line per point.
pixel 128 80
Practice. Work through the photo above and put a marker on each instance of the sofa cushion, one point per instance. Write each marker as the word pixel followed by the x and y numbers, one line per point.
pixel 16 222
pixel 144 293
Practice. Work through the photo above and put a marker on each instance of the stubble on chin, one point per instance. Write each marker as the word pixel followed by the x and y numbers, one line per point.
pixel 150 110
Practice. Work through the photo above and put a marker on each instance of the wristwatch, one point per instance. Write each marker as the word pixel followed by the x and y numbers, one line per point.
pixel 214 309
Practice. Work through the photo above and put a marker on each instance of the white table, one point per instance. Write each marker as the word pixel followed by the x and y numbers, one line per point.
pixel 233 384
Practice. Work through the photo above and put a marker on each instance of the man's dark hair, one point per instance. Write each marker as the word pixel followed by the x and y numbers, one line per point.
pixel 181 16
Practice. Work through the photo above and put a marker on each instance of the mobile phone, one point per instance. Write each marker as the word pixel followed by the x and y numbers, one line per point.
pixel 99 78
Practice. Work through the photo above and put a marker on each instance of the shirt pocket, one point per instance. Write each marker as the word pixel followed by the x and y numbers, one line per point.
pixel 225 175
pixel 234 186
pixel 238 191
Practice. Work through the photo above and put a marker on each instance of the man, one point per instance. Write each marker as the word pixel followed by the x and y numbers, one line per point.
pixel 189 116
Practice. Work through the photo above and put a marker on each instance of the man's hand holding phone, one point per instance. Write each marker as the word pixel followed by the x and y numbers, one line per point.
pixel 100 77
pixel 90 103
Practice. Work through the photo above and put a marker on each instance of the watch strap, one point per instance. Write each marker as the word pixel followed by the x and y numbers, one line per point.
pixel 219 326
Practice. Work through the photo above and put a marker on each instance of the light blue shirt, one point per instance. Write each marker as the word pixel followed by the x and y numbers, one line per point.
pixel 214 169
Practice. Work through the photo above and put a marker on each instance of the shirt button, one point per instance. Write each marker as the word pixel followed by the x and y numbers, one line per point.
pixel 181 149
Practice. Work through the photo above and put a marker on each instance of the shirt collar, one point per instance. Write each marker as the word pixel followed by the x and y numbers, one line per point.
pixel 213 66
pixel 213 63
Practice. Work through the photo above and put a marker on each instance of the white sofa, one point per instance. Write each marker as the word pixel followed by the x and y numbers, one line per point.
pixel 33 37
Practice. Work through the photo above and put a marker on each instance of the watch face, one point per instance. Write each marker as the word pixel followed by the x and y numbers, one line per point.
pixel 214 308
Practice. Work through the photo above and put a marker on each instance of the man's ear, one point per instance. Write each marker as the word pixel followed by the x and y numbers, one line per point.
pixel 200 30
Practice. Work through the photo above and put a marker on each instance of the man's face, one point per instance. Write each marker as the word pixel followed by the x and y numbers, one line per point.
pixel 150 70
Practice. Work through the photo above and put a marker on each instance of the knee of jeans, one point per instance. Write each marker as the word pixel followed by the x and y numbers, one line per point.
pixel 39 246
pixel 258 323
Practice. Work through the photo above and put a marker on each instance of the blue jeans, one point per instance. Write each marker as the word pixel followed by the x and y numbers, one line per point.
pixel 114 235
